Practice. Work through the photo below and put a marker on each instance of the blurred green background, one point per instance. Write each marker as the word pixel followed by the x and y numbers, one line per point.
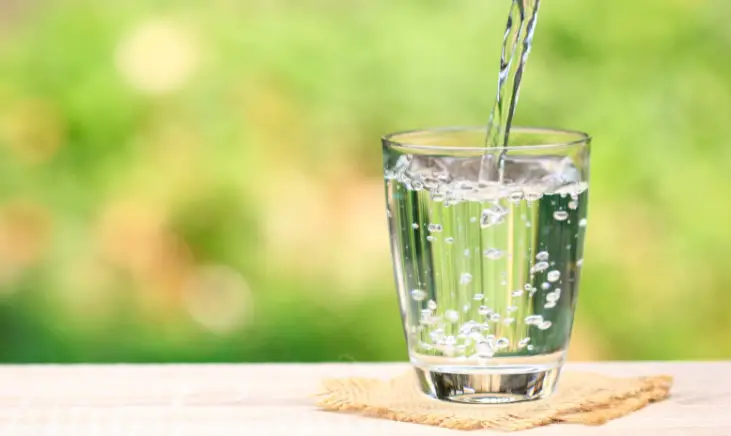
pixel 201 181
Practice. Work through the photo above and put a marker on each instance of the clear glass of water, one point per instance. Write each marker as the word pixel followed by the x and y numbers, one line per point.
pixel 487 246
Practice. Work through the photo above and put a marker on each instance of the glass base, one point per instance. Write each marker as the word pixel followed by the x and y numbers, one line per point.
pixel 488 385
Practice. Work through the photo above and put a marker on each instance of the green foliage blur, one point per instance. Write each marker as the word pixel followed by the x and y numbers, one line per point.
pixel 201 181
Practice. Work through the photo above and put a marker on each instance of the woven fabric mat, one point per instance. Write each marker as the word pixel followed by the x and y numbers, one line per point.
pixel 582 398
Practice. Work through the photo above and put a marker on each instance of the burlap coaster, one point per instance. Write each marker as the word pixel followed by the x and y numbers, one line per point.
pixel 583 398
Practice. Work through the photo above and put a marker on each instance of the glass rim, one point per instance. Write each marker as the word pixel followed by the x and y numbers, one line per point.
pixel 578 138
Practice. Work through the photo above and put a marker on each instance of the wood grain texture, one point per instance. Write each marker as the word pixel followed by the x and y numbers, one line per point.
pixel 275 399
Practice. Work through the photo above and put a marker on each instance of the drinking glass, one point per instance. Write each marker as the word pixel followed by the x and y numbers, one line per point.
pixel 487 246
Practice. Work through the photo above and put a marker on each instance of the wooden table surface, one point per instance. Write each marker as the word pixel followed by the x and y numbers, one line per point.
pixel 273 399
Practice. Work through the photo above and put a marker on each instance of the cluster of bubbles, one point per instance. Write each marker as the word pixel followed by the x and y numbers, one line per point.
pixel 475 338
pixel 453 180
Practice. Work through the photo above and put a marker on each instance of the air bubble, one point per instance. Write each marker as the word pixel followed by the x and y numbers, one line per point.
pixel 549 305
pixel 541 266
pixel 582 223
pixel 460 349
pixel 533 319
pixel 450 341
pixel 478 297
pixel 545 286
pixel 495 317
pixel 542 256
pixel 560 215
pixel 484 310
pixel 436 335
pixel 431 304
pixel 508 321
pixel 449 240
pixel 431 238
pixel 493 215
pixel 465 278
pixel 515 197
pixel 552 297
pixel 503 282
pixel 533 196
pixel 517 293
pixel 473 219
pixel 435 228
pixel 466 308
pixel 451 315
pixel 493 253
pixel 529 348
pixel 512 309
pixel 528 287
pixel 502 343
pixel 558 293
pixel 418 294
pixel 545 325
pixel 580 262
pixel 417 185
pixel 573 205
pixel 485 349
pixel 523 342
pixel 426 347
pixel 426 317
pixel 553 276
pixel 467 252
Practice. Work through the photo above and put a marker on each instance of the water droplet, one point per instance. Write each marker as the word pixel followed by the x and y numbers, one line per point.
pixel 503 343
pixel 517 293
pixel 484 310
pixel 418 294
pixel 466 308
pixel 467 252
pixel 549 305
pixel 512 309
pixel 542 256
pixel 451 315
pixel 523 342
pixel 533 319
pixel 508 321
pixel 415 226
pixel 431 238
pixel 449 240
pixel 493 253
pixel 545 325
pixel 478 297
pixel 529 348
pixel 493 215
pixel 553 276
pixel 465 278
pixel 573 205
pixel 552 297
pixel 582 223
pixel 558 293
pixel 528 287
pixel 431 304
pixel 435 228
pixel 485 349
pixel 473 219
pixel 495 317
pixel 545 286
pixel 560 215
pixel 580 263
pixel 541 266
